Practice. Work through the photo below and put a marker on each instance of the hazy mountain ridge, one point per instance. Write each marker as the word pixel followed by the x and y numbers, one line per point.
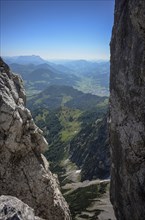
pixel 87 76
pixel 25 59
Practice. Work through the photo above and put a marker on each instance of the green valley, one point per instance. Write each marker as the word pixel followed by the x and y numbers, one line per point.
pixel 75 125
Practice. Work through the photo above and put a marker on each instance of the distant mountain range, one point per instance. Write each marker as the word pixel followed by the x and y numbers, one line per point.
pixel 87 76
pixel 32 59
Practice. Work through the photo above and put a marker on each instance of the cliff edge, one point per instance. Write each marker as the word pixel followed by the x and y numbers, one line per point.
pixel 127 110
pixel 24 171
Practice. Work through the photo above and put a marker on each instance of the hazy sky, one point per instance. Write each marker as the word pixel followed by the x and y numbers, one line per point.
pixel 56 29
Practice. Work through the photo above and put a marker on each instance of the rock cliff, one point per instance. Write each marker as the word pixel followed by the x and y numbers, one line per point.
pixel 24 171
pixel 127 110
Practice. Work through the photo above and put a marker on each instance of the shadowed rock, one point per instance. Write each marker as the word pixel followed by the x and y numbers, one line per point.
pixel 127 104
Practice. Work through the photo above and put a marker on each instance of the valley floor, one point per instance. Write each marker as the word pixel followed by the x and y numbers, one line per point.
pixel 87 199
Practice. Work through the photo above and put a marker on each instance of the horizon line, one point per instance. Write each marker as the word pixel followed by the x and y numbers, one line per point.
pixel 46 59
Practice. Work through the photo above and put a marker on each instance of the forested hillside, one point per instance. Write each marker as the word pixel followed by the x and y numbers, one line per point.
pixel 75 125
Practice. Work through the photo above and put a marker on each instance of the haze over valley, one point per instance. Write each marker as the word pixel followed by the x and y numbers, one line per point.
pixel 86 76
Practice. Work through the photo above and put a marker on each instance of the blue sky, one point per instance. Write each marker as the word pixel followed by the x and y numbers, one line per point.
pixel 57 29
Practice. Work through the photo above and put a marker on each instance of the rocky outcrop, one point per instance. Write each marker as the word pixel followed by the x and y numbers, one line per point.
pixel 24 171
pixel 12 208
pixel 127 114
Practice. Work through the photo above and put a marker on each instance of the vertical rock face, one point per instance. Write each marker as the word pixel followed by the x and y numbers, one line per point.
pixel 24 170
pixel 127 110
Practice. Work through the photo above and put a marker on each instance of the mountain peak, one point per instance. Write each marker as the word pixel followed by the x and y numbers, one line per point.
pixel 25 59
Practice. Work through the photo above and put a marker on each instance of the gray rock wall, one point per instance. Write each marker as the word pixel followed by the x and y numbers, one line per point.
pixel 24 171
pixel 127 110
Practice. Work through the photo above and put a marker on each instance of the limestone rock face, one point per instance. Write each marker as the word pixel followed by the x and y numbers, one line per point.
pixel 24 171
pixel 127 110
pixel 12 208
